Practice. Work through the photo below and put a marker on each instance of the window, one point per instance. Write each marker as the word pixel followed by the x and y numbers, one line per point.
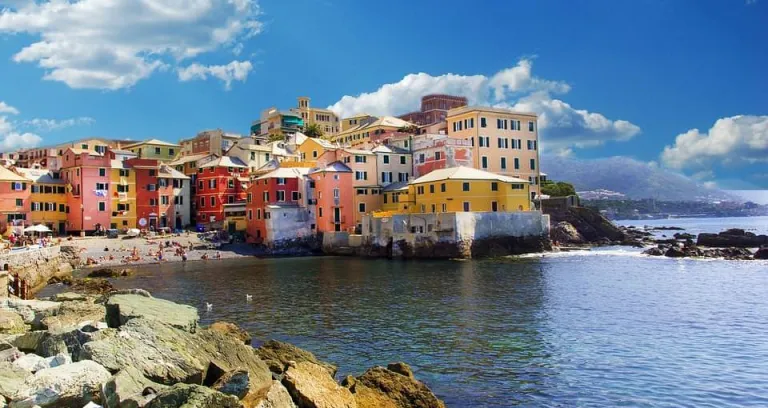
pixel 200 185
pixel 151 187
pixel 385 198
pixel 361 207
pixel 386 159
pixel 265 195
pixel 445 207
pixel 494 206
pixel 84 146
pixel 442 187
pixel 19 202
pixel 320 212
pixel 421 158
pixel 483 123
pixel 122 207
pixel 280 195
pixel 212 183
pixel 19 186
pixel 494 186
pixel 402 159
pixel 102 186
pixel 434 207
pixel 280 181
pixel 515 124
pixel 485 141
pixel 432 189
pixel 250 214
pixel 102 206
pixel 360 159
pixel 531 127
pixel 124 172
pixel 171 152
pixel 163 182
pixel 386 176
pixel 471 124
pixel 533 164
pixel 62 208
pixel 202 202
pixel 361 175
pixel 152 173
pixel 484 161
pixel 102 172
pixel 249 198
pixel 362 191
pixel 213 201
pixel 402 177
pixel 164 200
pixel 178 200
pixel 465 186
pixel 420 190
pixel 231 183
pixel 335 193
pixel 437 155
pixel 295 196
pixel 157 150
pixel 517 163
pixel 466 206
pixel 153 202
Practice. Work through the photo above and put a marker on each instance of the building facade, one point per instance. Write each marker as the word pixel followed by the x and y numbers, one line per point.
pixel 155 149
pixel 434 109
pixel 324 118
pixel 335 197
pixel 280 206
pixel 214 141
pixel 14 201
pixel 87 175
pixel 220 181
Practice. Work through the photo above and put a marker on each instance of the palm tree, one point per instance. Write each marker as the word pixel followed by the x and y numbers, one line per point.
pixel 277 137
pixel 313 130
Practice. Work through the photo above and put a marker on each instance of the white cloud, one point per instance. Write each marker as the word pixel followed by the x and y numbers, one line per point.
pixel 47 125
pixel 11 139
pixel 113 44
pixel 561 125
pixel 5 108
pixel 733 140
pixel 234 71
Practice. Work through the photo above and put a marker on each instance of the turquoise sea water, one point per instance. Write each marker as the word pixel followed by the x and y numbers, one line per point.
pixel 602 328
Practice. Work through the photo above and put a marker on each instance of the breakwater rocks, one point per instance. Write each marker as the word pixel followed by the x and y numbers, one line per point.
pixel 732 238
pixel 676 250
pixel 585 226
pixel 128 349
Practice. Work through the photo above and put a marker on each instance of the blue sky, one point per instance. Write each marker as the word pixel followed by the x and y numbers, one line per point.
pixel 608 78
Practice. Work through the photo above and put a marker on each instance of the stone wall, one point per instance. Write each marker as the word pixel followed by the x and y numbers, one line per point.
pixel 36 265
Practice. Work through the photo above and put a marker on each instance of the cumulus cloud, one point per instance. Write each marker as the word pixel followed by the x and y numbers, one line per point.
pixel 48 125
pixel 234 71
pixel 113 44
pixel 561 125
pixel 10 138
pixel 5 108
pixel 731 141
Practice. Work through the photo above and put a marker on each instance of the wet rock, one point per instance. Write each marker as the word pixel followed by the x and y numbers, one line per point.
pixel 110 273
pixel 231 329
pixel 12 379
pixel 128 389
pixel 192 396
pixel 70 342
pixel 94 286
pixel 655 251
pixel 311 386
pixel 674 252
pixel 732 238
pixel 11 323
pixel 382 387
pixel 122 308
pixel 684 236
pixel 401 368
pixel 277 355
pixel 35 363
pixel 762 253
pixel 73 384
pixel 565 233
pixel 235 383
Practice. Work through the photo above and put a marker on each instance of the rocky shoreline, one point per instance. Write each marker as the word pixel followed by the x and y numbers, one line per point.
pixel 129 349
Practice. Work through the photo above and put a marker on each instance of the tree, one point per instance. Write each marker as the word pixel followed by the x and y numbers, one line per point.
pixel 313 130
pixel 412 129
pixel 557 189
pixel 277 137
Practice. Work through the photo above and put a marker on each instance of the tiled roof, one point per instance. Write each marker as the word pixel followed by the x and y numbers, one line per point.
pixel 464 173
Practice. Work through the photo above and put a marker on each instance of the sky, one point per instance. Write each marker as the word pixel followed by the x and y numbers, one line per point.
pixel 674 83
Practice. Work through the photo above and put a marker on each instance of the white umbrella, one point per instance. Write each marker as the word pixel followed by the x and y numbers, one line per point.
pixel 37 228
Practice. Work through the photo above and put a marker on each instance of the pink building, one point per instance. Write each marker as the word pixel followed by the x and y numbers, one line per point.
pixel 335 197
pixel 87 176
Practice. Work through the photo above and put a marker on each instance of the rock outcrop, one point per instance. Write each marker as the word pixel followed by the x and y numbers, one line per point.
pixel 73 384
pixel 278 355
pixel 383 387
pixel 762 253
pixel 565 233
pixel 231 329
pixel 692 251
pixel 129 388
pixel 590 225
pixel 123 308
pixel 192 396
pixel 311 386
pixel 11 323
pixel 732 238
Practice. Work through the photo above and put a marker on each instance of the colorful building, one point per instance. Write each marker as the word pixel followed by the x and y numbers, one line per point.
pixel 466 189
pixel 434 109
pixel 434 152
pixel 220 181
pixel 335 197
pixel 324 118
pixel 48 199
pixel 310 149
pixel 274 122
pixel 504 141
pixel 367 190
pixel 280 206
pixel 393 164
pixel 394 197
pixel 155 149
pixel 369 131
pixel 122 183
pixel 215 142
pixel 14 201
pixel 87 174
pixel 180 196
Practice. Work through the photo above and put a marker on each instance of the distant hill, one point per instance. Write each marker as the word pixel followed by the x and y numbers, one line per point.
pixel 632 178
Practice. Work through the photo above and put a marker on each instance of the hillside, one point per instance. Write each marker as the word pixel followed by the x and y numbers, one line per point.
pixel 632 178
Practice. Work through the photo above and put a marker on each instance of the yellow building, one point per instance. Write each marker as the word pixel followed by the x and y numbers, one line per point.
pixel 457 189
pixel 48 199
pixel 122 182
pixel 503 141
pixel 234 218
pixel 326 119
pixel 155 149
pixel 355 121
pixel 369 129
pixel 311 148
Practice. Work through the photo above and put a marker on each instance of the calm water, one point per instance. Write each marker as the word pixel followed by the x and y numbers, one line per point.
pixel 608 328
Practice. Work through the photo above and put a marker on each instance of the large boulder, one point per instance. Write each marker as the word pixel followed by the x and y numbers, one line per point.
pixel 277 355
pixel 11 323
pixel 589 223
pixel 70 385
pixel 35 363
pixel 122 308
pixel 72 314
pixel 192 396
pixel 169 355
pixel 129 389
pixel 231 329
pixel 311 386
pixel 236 382
pixel 32 311
pixel 732 238
pixel 276 396
pixel 762 253
pixel 12 378
pixel 654 251
pixel 380 387
pixel 110 272
pixel 565 233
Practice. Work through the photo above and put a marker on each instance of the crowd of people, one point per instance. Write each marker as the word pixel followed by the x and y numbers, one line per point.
pixel 21 241
pixel 164 250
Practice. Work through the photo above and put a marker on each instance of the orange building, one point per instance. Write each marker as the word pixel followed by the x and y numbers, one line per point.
pixel 335 197
pixel 14 201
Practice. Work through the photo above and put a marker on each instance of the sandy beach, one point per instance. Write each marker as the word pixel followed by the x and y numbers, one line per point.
pixel 106 252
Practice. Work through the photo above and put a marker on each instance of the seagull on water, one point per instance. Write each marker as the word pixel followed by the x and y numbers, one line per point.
pixel 208 306
pixel 248 298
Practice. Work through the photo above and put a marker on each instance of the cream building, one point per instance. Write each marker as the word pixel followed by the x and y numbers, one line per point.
pixel 326 119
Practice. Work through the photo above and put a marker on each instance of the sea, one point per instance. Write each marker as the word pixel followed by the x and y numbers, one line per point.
pixel 600 328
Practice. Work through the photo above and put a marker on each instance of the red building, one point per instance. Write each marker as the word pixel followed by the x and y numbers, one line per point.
pixel 434 109
pixel 154 195
pixel 220 181
pixel 335 197
pixel 87 175
pixel 269 194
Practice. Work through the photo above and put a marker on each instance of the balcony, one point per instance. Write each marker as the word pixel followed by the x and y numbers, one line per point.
pixel 340 220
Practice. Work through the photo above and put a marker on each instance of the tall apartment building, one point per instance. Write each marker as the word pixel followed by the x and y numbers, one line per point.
pixel 503 141
pixel 14 201
pixel 326 119
pixel 214 141
pixel 88 177
pixel 434 109
pixel 220 181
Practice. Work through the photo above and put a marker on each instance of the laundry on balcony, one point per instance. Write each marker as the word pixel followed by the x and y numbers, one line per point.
pixel 101 193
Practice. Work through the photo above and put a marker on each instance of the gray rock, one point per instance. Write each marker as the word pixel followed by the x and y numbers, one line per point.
pixel 762 253
pixel 29 341
pixel 277 355
pixel 73 314
pixel 35 363
pixel 129 389
pixel 276 396
pixel 140 292
pixel 565 233
pixel 122 308
pixel 192 396
pixel 12 379
pixel 73 384
pixel 69 297
pixel 32 311
pixel 11 323
pixel 168 355
pixel 311 386
pixel 235 383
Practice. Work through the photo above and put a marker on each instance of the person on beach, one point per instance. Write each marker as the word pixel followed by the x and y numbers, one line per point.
pixel 218 255
pixel 204 257
pixel 183 256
